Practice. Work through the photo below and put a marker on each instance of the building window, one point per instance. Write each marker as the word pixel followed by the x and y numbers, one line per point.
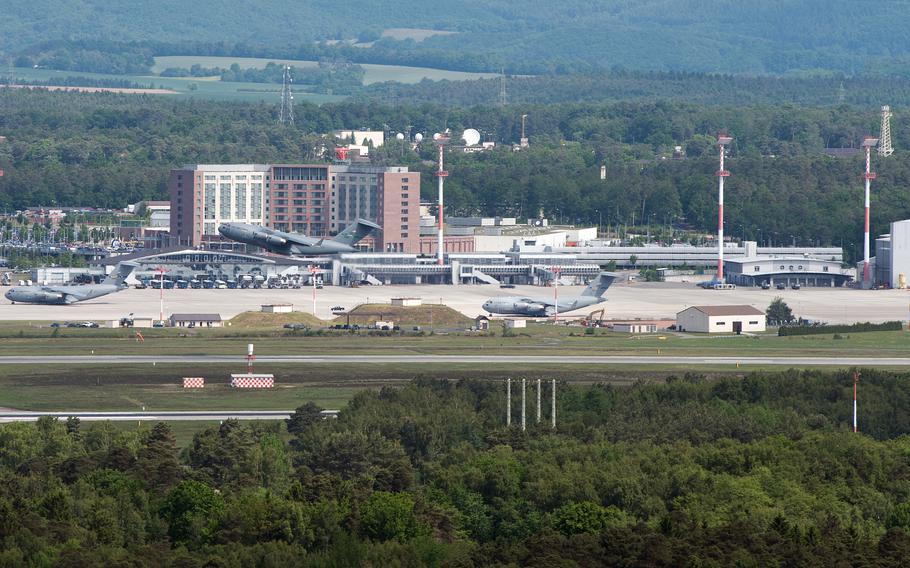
pixel 753 323
pixel 404 211
pixel 757 268
pixel 721 323
pixel 791 267
pixel 404 227
pixel 404 180
pixel 800 266
pixel 824 269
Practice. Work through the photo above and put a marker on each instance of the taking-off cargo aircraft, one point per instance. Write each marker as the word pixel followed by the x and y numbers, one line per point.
pixel 281 242
pixel 546 307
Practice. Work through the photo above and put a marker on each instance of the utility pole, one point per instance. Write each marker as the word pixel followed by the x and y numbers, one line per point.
pixel 523 406
pixel 855 381
pixel 538 401
pixel 508 402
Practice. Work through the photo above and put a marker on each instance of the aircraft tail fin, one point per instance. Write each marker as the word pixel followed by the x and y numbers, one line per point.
pixel 599 285
pixel 121 272
pixel 355 232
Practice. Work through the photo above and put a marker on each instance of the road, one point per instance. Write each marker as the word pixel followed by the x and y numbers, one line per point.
pixel 446 360
pixel 174 415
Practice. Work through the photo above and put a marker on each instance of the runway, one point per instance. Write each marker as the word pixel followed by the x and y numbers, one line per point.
pixel 174 415
pixel 448 360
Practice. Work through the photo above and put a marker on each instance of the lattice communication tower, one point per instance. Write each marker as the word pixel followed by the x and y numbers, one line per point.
pixel 286 116
pixel 884 143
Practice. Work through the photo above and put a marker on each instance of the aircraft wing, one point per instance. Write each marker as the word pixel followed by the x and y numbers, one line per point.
pixel 68 295
pixel 298 239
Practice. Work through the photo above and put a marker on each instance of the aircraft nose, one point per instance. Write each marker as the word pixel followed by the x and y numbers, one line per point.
pixel 8 295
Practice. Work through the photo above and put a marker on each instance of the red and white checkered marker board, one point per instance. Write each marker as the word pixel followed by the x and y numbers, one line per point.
pixel 252 382
pixel 193 382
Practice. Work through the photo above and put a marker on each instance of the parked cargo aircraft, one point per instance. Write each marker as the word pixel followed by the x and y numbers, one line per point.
pixel 295 243
pixel 546 307
pixel 72 294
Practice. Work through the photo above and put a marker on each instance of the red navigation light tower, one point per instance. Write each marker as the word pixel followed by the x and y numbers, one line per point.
pixel 868 143
pixel 441 140
pixel 556 270
pixel 722 141
pixel 160 270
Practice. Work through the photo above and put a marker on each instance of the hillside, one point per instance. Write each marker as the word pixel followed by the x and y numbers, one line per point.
pixel 261 319
pixel 528 37
pixel 435 315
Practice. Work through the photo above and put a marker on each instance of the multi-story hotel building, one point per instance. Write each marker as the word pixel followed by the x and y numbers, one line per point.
pixel 313 199
pixel 204 196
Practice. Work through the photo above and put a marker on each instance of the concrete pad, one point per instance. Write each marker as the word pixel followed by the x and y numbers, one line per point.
pixel 626 300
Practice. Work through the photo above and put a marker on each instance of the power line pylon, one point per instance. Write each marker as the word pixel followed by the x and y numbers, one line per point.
pixel 884 144
pixel 286 116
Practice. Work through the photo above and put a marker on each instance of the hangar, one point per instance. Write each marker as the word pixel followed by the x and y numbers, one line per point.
pixel 721 319
pixel 786 270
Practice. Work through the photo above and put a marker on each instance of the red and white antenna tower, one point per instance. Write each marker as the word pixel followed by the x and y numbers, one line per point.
pixel 722 141
pixel 441 140
pixel 160 270
pixel 868 143
pixel 556 270
pixel 855 381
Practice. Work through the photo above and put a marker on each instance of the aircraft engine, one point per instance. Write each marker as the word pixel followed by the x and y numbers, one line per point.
pixel 532 308
pixel 51 297
pixel 275 240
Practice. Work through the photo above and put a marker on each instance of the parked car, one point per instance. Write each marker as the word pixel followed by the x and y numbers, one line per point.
pixel 796 286
pixel 781 286
pixel 337 308
pixel 765 286
pixel 507 285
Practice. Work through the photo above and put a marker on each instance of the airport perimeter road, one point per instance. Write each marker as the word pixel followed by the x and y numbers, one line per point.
pixel 446 360
pixel 188 415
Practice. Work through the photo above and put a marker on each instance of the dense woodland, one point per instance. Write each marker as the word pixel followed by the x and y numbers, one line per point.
pixel 108 150
pixel 535 36
pixel 753 471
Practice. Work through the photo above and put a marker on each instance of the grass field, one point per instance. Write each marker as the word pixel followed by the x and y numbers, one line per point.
pixel 17 338
pixel 192 87
pixel 417 34
pixel 374 73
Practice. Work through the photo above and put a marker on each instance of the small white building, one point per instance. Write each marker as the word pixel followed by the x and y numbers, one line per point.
pixel 721 319
pixel 516 323
pixel 277 308
pixel 196 320
pixel 635 327
pixel 407 302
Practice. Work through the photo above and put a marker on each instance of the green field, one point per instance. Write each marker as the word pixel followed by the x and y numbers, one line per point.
pixel 539 339
pixel 374 73
pixel 192 87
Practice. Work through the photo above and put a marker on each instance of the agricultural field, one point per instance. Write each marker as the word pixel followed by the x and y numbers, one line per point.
pixel 417 34
pixel 374 73
pixel 191 87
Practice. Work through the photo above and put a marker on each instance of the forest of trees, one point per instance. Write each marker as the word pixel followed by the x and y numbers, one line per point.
pixel 329 77
pixel 532 37
pixel 106 150
pixel 753 471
